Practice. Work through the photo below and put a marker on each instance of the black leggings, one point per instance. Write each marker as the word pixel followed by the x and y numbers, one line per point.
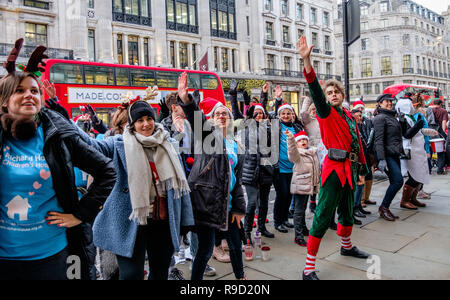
pixel 411 182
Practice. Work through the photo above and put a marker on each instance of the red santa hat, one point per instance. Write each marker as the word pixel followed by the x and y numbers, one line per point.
pixel 283 107
pixel 260 107
pixel 209 106
pixel 359 104
pixel 301 135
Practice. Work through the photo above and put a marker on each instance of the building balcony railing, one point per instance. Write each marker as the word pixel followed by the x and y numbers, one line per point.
pixel 5 49
pixel 132 19
pixel 287 45
pixel 224 34
pixel 182 27
pixel 408 70
pixel 430 73
pixel 436 74
pixel 315 50
pixel 328 52
pixel 37 4
pixel 282 73
pixel 419 71
pixel 386 72
pixel 441 74
pixel 366 74
pixel 270 43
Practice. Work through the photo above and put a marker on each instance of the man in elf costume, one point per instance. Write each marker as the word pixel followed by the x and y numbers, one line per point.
pixel 340 168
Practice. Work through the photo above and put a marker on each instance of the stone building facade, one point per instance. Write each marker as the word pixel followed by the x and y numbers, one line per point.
pixel 401 42
pixel 244 39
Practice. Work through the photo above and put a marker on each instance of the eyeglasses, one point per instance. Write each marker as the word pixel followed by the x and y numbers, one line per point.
pixel 222 114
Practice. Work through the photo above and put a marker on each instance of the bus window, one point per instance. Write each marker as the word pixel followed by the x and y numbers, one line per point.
pixel 122 77
pixel 167 79
pixel 99 75
pixel 65 73
pixel 194 81
pixel 209 82
pixel 142 77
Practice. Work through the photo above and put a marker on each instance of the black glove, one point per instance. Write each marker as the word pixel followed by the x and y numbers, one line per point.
pixel 196 96
pixel 95 120
pixel 163 107
pixel 233 87
pixel 53 104
pixel 246 98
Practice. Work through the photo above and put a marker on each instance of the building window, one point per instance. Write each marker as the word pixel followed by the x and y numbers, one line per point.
pixel 216 58
pixel 384 6
pixel 313 16
pixel 172 54
pixel 284 8
pixel 327 43
pixel 364 10
pixel 225 62
pixel 367 88
pixel 386 41
pixel 146 48
pixel 247 19
pixel 233 61
pixel 366 67
pixel 133 50
pixel 405 40
pixel 132 11
pixel 194 55
pixel 223 12
pixel 364 44
pixel 249 54
pixel 364 25
pixel 299 11
pixel 91 44
pixel 386 68
pixel 300 33
pixel 286 34
pixel 119 49
pixel 287 63
pixel 314 38
pixel 183 54
pixel 269 31
pixel 328 69
pixel 350 68
pixel 385 23
pixel 182 15
pixel 407 64
pixel 268 5
pixel 316 66
pixel 37 4
pixel 301 64
pixel 377 88
pixel 271 61
pixel 35 34
pixel 326 19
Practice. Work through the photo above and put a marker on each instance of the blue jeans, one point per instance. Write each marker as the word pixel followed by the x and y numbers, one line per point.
pixel 206 241
pixel 358 195
pixel 155 239
pixel 395 179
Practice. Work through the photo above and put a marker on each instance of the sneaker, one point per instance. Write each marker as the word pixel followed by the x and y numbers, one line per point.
pixel 209 271
pixel 423 195
pixel 301 242
pixel 220 255
pixel 176 274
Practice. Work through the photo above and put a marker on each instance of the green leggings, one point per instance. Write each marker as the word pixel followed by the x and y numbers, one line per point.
pixel 332 195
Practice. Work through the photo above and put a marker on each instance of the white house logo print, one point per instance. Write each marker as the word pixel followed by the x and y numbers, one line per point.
pixel 18 206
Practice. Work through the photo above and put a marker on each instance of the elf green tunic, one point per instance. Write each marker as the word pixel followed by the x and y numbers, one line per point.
pixel 338 130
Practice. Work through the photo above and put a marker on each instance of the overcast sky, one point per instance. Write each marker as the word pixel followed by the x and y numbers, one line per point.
pixel 438 6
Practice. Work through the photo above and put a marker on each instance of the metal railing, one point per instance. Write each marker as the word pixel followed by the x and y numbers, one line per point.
pixel 316 50
pixel 419 71
pixel 297 74
pixel 270 43
pixel 287 45
pixel 408 70
pixel 26 51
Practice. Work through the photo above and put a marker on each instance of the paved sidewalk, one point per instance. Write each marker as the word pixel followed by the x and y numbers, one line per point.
pixel 417 246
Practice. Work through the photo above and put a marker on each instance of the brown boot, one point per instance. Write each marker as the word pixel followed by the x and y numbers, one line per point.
pixel 384 213
pixel 414 198
pixel 366 194
pixel 406 197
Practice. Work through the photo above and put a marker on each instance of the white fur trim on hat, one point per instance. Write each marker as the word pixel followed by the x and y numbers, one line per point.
pixel 301 137
pixel 211 112
pixel 283 107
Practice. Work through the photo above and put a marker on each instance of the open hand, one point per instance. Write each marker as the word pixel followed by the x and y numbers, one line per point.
pixel 266 88
pixel 278 92
pixel 49 89
pixel 303 48
pixel 182 88
pixel 288 133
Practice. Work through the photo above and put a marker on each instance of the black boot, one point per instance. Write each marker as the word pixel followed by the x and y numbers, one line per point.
pixel 311 276
pixel 361 209
pixel 358 213
pixel 356 221
pixel 264 232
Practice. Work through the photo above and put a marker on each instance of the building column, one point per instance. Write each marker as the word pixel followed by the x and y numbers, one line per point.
pixel 219 59
pixel 177 54
pixel 125 49
pixel 114 47
pixel 141 51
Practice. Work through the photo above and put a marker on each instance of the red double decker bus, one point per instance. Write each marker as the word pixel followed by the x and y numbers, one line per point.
pixel 101 85
pixel 399 90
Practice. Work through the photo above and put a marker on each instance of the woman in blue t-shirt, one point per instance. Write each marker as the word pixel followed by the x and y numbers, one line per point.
pixel 41 220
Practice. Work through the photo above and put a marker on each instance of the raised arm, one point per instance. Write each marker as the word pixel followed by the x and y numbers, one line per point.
pixel 237 114
pixel 323 108
pixel 279 98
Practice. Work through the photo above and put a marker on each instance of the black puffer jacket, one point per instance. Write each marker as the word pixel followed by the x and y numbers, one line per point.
pixel 210 177
pixel 63 150
pixel 388 134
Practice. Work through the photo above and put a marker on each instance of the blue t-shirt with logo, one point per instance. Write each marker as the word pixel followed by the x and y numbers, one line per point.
pixel 231 147
pixel 26 197
pixel 284 163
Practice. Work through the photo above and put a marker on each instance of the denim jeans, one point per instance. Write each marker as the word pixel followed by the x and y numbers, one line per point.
pixel 358 195
pixel 441 162
pixel 206 240
pixel 50 268
pixel 283 198
pixel 155 239
pixel 395 179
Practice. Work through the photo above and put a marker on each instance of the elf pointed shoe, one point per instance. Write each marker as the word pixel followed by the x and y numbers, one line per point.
pixel 355 252
pixel 311 276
